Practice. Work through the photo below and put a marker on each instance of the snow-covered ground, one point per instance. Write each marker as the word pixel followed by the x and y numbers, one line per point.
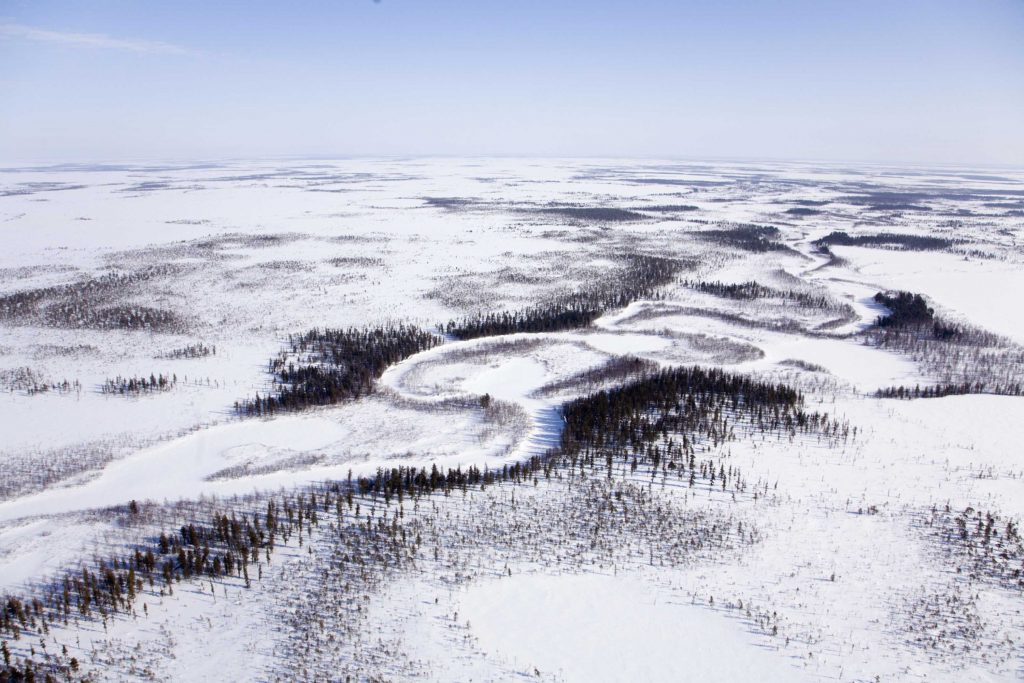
pixel 244 254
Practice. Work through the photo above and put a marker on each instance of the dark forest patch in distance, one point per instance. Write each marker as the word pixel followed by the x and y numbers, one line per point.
pixel 887 239
pixel 598 214
pixel 749 237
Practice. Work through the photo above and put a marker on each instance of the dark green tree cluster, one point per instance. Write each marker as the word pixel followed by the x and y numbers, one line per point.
pixel 961 358
pixel 906 308
pixel 336 365
pixel 659 420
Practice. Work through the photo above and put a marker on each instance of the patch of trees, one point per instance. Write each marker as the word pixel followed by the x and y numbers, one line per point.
pixel 356 262
pixel 940 390
pixel 597 214
pixel 748 237
pixel 982 545
pixel 199 350
pixel 29 381
pixel 449 202
pixel 134 386
pixel 906 308
pixel 662 418
pixel 909 310
pixel 640 279
pixel 885 239
pixel 119 317
pixel 326 366
pixel 886 200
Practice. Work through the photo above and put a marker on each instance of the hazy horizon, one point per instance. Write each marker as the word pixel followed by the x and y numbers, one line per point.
pixel 930 83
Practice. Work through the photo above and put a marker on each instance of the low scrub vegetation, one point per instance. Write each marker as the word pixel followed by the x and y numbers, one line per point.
pixel 640 279
pixel 94 303
pixel 748 291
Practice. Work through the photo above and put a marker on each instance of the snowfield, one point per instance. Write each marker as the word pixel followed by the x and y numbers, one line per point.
pixel 879 548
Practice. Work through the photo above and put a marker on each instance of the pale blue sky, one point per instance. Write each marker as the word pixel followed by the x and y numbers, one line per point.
pixel 892 80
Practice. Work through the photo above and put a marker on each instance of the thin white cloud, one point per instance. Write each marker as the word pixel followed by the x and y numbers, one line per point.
pixel 89 40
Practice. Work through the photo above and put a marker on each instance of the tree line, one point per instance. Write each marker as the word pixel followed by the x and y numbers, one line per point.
pixel 940 390
pixel 754 290
pixel 133 386
pixel 198 350
pixel 661 422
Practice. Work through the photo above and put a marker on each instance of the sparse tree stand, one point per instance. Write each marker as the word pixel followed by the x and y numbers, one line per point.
pixel 961 358
pixel 640 279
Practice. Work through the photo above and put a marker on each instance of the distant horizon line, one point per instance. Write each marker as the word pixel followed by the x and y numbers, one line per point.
pixel 212 161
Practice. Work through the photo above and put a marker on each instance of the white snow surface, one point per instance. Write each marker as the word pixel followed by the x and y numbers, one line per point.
pixel 265 249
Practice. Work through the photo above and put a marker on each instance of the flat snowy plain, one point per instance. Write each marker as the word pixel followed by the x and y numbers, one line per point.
pixel 846 579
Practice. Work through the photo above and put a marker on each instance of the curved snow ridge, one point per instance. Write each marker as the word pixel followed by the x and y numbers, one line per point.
pixel 512 386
